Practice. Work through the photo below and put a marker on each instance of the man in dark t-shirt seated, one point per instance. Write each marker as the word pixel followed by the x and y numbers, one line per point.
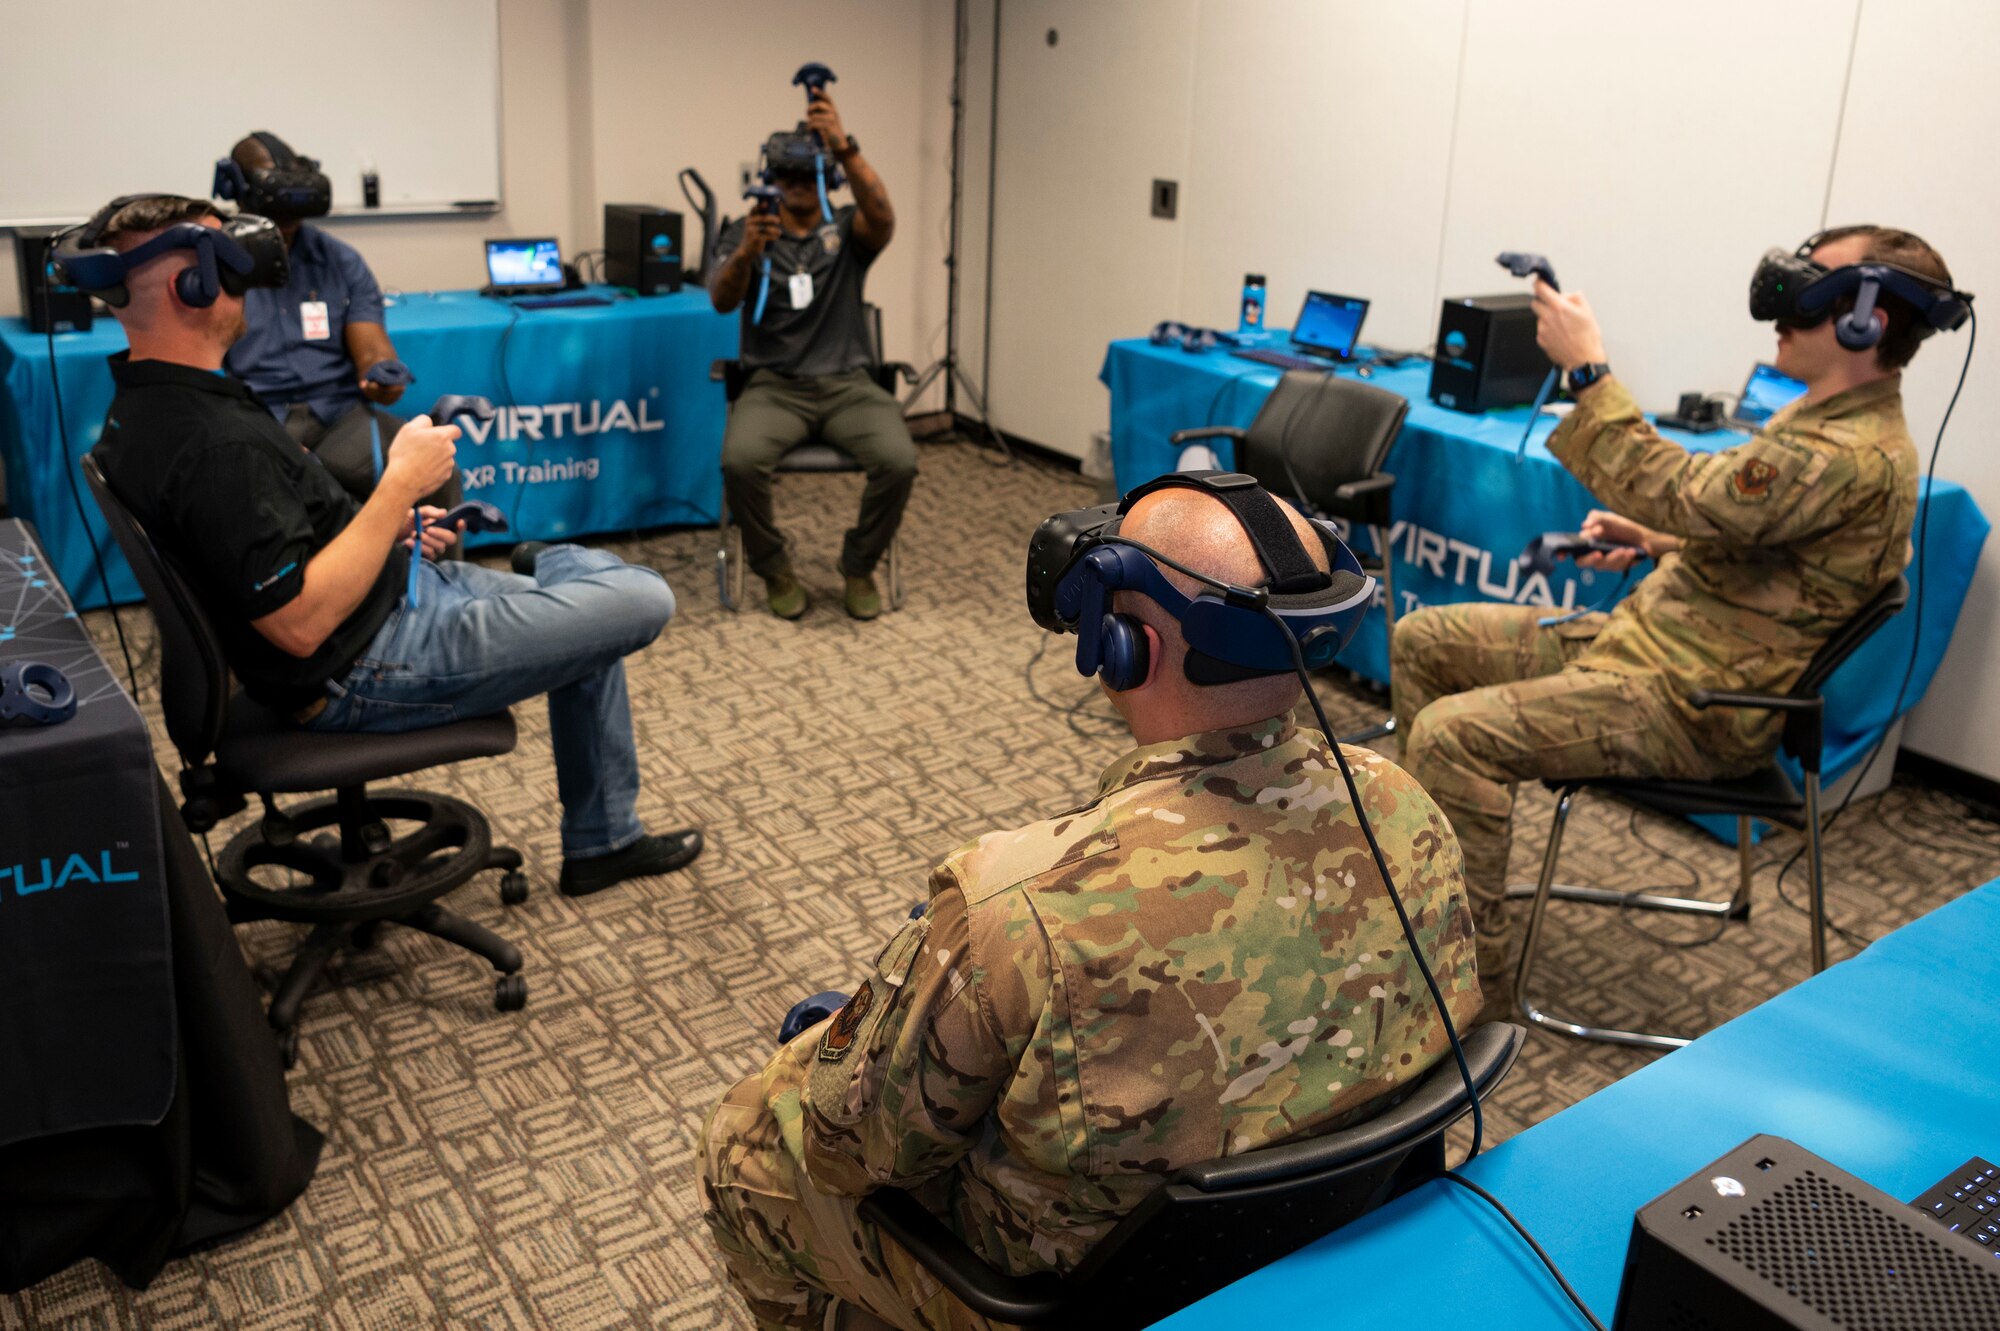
pixel 797 274
pixel 309 590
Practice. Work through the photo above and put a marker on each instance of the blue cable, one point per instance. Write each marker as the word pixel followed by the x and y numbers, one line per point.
pixel 825 207
pixel 375 439
pixel 763 292
pixel 1534 414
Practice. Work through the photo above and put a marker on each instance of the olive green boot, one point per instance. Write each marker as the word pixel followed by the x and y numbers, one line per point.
pixel 864 601
pixel 783 594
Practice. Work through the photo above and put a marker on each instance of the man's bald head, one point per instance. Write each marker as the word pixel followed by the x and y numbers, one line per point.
pixel 1199 530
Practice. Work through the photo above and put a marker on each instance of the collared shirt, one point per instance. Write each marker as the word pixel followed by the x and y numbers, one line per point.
pixel 1199 962
pixel 1788 535
pixel 276 357
pixel 828 334
pixel 240 510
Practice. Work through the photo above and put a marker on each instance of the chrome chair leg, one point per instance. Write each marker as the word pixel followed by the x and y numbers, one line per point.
pixel 1736 908
pixel 729 563
pixel 1746 869
pixel 1543 890
pixel 893 559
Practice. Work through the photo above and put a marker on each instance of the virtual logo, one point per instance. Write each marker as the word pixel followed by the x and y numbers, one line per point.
pixel 51 872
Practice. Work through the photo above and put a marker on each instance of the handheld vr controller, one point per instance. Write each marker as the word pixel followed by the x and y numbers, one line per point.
pixel 477 515
pixel 291 189
pixel 390 372
pixel 1793 291
pixel 1077 559
pixel 813 77
pixel 800 153
pixel 245 251
pixel 1543 552
pixel 764 201
pixel 1523 264
pixel 33 693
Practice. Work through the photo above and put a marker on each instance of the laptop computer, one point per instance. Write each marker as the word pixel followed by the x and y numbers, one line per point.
pixel 1764 392
pixel 1327 329
pixel 528 267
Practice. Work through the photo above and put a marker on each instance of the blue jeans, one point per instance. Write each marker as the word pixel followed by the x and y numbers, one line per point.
pixel 480 640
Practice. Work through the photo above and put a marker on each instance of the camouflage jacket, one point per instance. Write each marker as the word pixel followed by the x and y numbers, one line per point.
pixel 1199 962
pixel 1788 535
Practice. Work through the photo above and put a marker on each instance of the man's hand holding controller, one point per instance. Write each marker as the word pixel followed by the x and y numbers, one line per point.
pixel 421 459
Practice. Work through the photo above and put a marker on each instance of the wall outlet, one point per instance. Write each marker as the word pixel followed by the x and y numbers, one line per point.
pixel 1166 198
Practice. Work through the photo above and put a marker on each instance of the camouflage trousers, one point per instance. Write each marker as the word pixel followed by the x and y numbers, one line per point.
pixel 1486 697
pixel 789 1249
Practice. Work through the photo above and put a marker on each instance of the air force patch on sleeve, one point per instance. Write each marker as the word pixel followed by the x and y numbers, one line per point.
pixel 1754 479
pixel 846 1024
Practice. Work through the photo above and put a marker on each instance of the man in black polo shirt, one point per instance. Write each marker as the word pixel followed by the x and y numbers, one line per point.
pixel 798 276
pixel 309 591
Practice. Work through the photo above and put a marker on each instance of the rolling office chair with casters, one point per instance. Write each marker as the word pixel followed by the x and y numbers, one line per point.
pixel 354 881
pixel 1165 1254
pixel 811 457
pixel 1767 793
pixel 1320 441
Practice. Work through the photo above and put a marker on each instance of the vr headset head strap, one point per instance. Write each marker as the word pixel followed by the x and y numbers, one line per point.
pixel 1278 547
pixel 281 152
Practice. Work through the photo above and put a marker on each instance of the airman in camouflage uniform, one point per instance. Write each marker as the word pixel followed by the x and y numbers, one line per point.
pixel 1764 550
pixel 1200 961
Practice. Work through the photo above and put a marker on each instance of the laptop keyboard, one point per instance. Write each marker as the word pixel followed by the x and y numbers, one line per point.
pixel 1284 360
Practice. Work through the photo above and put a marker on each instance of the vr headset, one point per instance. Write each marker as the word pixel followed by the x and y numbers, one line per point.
pixel 1793 291
pixel 246 251
pixel 1077 560
pixel 797 153
pixel 291 189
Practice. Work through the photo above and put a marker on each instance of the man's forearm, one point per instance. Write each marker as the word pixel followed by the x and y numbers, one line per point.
pixel 731 283
pixel 871 198
pixel 337 578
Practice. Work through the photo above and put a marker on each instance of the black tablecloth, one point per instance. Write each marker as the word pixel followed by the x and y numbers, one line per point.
pixel 211 1146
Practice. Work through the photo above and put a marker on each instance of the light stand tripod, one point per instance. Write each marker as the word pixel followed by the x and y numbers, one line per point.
pixel 947 366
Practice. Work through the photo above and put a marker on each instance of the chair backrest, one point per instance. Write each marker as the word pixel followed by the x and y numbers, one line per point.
pixel 1216 1222
pixel 194 675
pixel 1885 605
pixel 1317 432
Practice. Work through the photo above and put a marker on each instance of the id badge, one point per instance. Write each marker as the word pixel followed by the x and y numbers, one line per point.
pixel 802 290
pixel 313 319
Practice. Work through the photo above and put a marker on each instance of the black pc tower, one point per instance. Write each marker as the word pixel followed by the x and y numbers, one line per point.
pixel 62 307
pixel 1773 1238
pixel 1486 355
pixel 642 248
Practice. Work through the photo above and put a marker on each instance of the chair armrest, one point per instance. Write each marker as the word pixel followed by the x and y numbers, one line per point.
pixel 1380 483
pixel 1179 437
pixel 999 1298
pixel 718 371
pixel 1703 699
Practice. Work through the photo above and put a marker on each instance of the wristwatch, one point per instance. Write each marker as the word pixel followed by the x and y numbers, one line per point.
pixel 1583 376
pixel 853 147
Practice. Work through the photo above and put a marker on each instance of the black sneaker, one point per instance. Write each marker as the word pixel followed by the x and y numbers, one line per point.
pixel 644 858
pixel 524 557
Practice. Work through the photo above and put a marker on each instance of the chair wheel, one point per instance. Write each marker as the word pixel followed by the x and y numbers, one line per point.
pixel 385 873
pixel 510 993
pixel 364 936
pixel 288 1047
pixel 513 888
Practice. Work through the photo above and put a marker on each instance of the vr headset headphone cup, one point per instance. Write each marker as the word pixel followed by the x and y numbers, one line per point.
pixel 291 189
pixel 1793 291
pixel 1076 560
pixel 245 251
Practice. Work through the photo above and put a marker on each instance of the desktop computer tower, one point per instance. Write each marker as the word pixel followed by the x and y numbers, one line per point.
pixel 1773 1238
pixel 1486 355
pixel 63 307
pixel 642 248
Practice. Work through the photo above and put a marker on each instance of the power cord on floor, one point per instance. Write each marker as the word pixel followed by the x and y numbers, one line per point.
pixel 1692 885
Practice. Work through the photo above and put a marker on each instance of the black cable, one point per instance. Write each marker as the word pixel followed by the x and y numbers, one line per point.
pixel 1916 633
pixel 1693 884
pixel 1576 1300
pixel 75 491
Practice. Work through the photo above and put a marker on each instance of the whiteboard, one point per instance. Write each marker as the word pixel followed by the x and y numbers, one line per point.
pixel 127 96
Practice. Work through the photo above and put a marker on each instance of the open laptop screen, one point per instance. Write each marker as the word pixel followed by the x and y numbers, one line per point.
pixel 1764 392
pixel 1329 325
pixel 524 265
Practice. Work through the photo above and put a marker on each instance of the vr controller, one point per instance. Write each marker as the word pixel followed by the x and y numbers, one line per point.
pixel 763 198
pixel 1522 264
pixel 33 693
pixel 1543 552
pixel 813 77
pixel 452 405
pixel 390 373
pixel 477 515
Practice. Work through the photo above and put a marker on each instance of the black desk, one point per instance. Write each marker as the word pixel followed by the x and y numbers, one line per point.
pixel 144 1108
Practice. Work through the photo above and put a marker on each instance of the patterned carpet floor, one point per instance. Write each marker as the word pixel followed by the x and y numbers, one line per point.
pixel 536 1169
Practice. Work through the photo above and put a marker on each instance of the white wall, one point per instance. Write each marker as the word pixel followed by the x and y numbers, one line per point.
pixel 605 100
pixel 1390 151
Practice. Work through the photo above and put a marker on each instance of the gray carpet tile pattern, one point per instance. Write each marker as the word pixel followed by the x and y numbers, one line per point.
pixel 536 1169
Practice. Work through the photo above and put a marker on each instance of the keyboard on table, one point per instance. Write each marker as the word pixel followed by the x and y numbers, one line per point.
pixel 1284 360
pixel 1967 1201
pixel 559 302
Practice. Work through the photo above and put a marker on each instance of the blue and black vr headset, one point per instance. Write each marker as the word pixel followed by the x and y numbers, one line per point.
pixel 1795 292
pixel 1077 559
pixel 245 251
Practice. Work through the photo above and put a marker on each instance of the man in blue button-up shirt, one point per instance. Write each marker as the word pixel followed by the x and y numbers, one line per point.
pixel 310 345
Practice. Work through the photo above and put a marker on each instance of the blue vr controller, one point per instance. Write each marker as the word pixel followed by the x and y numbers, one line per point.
pixel 810 1012
pixel 1543 552
pixel 477 515
pixel 1522 264
pixel 390 373
pixel 33 693
pixel 443 412
pixel 813 78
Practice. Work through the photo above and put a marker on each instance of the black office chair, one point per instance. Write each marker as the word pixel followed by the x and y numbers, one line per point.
pixel 812 457
pixel 230 746
pixel 1767 793
pixel 1213 1223
pixel 1320 441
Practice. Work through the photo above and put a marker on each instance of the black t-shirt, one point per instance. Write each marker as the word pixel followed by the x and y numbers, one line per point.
pixel 827 335
pixel 240 509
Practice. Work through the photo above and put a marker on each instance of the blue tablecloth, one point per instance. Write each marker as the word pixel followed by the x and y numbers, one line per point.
pixel 629 426
pixel 1465 508
pixel 1883 1065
